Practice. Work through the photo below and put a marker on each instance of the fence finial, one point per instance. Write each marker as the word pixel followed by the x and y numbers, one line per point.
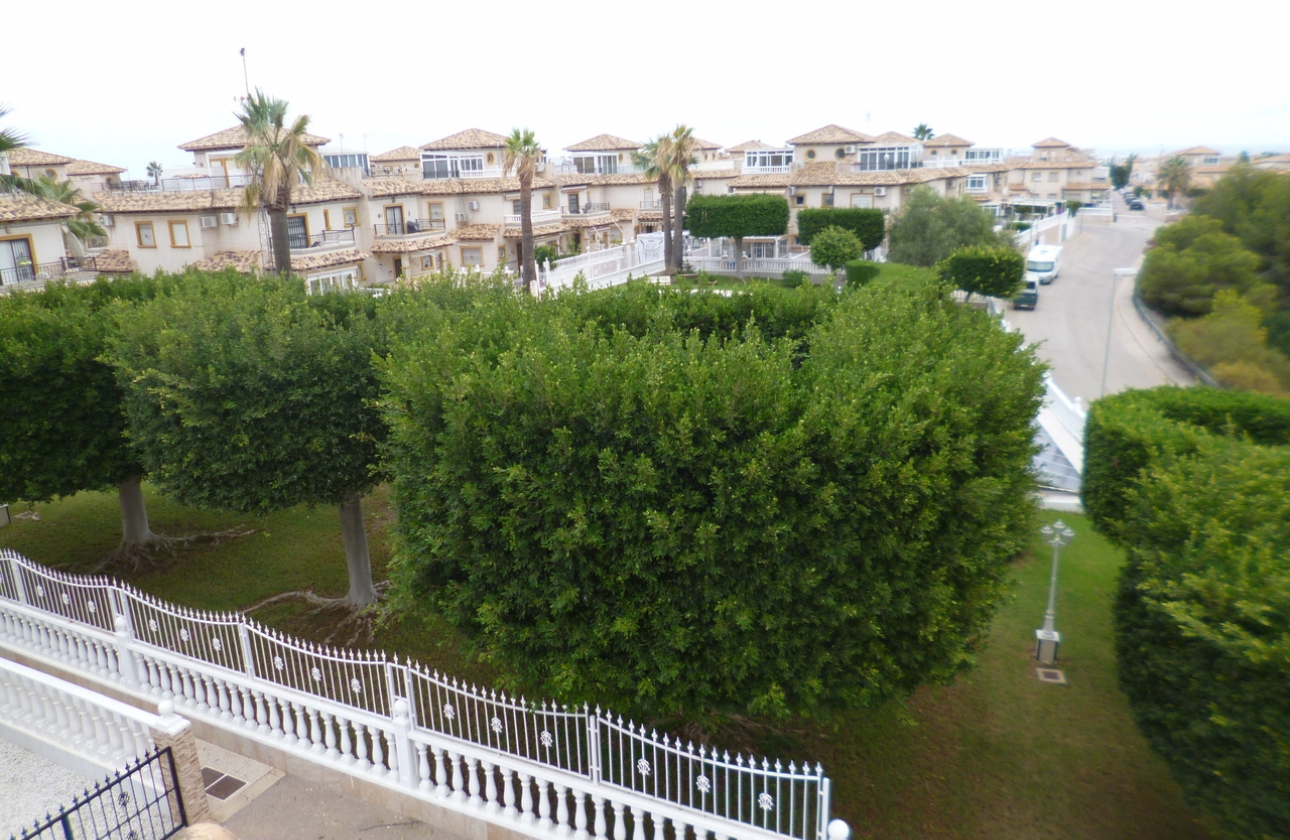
pixel 839 830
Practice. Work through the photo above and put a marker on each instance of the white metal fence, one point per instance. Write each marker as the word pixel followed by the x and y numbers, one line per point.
pixel 552 769
pixel 607 267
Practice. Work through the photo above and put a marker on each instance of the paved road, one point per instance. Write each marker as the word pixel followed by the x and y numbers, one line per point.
pixel 1070 322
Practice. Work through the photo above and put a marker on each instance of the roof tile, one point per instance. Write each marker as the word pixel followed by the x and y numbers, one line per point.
pixel 604 143
pixel 831 134
pixel 471 138
pixel 235 138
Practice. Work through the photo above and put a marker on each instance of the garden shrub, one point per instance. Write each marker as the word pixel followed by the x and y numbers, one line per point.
pixel 868 224
pixel 860 272
pixel 991 271
pixel 793 278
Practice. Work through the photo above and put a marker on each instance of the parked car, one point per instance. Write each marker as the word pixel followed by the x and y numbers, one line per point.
pixel 1028 297
pixel 1136 204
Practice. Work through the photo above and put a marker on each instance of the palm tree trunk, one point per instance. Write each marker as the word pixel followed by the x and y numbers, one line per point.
pixel 280 240
pixel 527 267
pixel 678 227
pixel 665 193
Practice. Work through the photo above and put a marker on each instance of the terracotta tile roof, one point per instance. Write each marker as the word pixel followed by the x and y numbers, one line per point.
pixel 1198 150
pixel 235 138
pixel 23 156
pixel 588 222
pixel 715 173
pixel 1058 164
pixel 604 143
pixel 386 187
pixel 752 146
pixel 21 207
pixel 827 173
pixel 540 230
pixel 408 246
pixel 246 262
pixel 476 232
pixel 619 180
pixel 893 137
pixel 471 138
pixel 831 134
pixel 167 201
pixel 89 167
pixel 623 215
pixel 705 145
pixel 946 140
pixel 1051 143
pixel 322 189
pixel 760 181
pixel 114 262
pixel 402 153
pixel 310 262
pixel 650 216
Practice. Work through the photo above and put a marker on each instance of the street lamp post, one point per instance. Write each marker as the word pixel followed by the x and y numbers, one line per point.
pixel 1056 535
pixel 1116 274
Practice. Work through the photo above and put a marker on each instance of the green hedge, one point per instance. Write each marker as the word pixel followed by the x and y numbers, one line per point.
pixel 1202 621
pixel 860 272
pixel 869 225
pixel 737 216
pixel 996 272
pixel 1125 432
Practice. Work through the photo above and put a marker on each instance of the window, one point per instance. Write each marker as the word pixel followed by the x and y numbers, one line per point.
pixel 1036 176
pixel 810 154
pixel 769 159
pixel 49 173
pixel 179 235
pixel 517 207
pixel 427 262
pixel 546 201
pixel 143 232
pixel 436 211
pixel 335 281
pixel 501 253
pixel 840 153
pixel 297 232
pixel 452 166
pixel 889 157
pixel 1053 176
pixel 355 161
pixel 615 236
pixel 976 183
pixel 16 264
pixel 826 200
pixel 1209 161
pixel 597 164
pixel 472 256
pixel 573 203
pixel 858 200
pixel 351 216
pixel 799 200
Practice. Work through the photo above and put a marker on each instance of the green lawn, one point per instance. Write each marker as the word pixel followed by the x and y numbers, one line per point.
pixel 998 755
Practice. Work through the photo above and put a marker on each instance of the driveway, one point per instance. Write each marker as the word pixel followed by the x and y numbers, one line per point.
pixel 1070 322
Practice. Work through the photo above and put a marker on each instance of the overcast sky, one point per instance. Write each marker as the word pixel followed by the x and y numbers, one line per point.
pixel 125 83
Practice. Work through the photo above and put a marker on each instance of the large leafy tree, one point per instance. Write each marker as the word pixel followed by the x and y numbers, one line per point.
pixel 835 247
pixel 248 395
pixel 681 159
pixel 929 228
pixel 278 158
pixel 627 498
pixel 1174 177
pixel 1192 261
pixel 654 159
pixel 522 154
pixel 62 424
pixel 736 217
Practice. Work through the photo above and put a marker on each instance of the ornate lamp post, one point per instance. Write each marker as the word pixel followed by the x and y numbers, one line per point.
pixel 1056 535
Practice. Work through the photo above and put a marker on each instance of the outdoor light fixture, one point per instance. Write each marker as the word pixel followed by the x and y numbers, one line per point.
pixel 1056 535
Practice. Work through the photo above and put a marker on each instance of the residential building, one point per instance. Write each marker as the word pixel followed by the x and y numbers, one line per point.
pixel 32 245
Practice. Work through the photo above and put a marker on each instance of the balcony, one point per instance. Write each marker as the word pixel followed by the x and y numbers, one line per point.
pixel 540 217
pixel 30 272
pixel 194 184
pixel 595 209
pixel 325 241
pixel 412 227
pixel 766 170
pixel 441 173
pixel 651 205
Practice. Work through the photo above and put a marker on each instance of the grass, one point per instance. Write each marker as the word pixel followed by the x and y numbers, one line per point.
pixel 997 755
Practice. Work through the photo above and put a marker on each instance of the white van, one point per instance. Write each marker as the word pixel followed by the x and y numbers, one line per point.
pixel 1043 263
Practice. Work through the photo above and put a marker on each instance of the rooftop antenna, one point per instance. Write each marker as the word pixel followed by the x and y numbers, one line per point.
pixel 245 79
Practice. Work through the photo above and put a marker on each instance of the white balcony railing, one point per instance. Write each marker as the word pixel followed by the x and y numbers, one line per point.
pixel 540 217
pixel 487 172
pixel 766 170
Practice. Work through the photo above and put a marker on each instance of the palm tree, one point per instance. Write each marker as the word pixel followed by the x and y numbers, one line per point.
pixel 10 140
pixel 680 160
pixel 154 172
pixel 923 131
pixel 277 157
pixel 1174 176
pixel 654 160
pixel 84 224
pixel 522 153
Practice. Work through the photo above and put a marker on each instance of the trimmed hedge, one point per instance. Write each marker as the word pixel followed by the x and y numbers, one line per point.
pixel 996 272
pixel 794 278
pixel 860 272
pixel 737 216
pixel 1127 431
pixel 869 225
pixel 1202 615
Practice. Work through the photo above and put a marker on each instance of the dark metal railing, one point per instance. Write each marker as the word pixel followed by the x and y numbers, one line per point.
pixel 141 802
pixel 300 242
pixel 30 272
pixel 410 226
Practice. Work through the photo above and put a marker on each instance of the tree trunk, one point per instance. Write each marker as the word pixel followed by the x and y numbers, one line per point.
pixel 280 240
pixel 678 226
pixel 665 193
pixel 739 257
pixel 354 533
pixel 135 531
pixel 527 266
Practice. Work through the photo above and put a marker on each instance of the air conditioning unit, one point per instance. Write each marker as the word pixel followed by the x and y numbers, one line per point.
pixel 472 205
pixel 879 190
pixel 461 217
pixel 851 150
pixel 228 218
pixel 209 222
pixel 792 190
pixel 106 221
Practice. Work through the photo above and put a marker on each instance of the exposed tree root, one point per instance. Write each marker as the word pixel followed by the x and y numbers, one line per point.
pixel 348 625
pixel 160 549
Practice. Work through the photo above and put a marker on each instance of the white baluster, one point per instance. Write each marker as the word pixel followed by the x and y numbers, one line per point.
pixel 261 713
pixel 472 778
pixel 620 827
pixel 360 741
pixel 580 815
pixel 378 751
pixel 490 786
pixel 346 742
pixel 225 707
pixel 329 736
pixel 301 723
pixel 458 780
pixel 423 768
pixel 638 824
pixel 660 823
pixel 315 732
pixel 599 803
pixel 441 788
pixel 561 810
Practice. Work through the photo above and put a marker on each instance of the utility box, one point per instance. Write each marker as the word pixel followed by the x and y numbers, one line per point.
pixel 1046 647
